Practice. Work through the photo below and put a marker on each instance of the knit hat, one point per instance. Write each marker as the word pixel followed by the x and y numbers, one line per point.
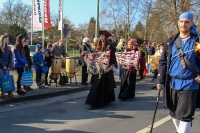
pixel 38 46
pixel 149 43
pixel 131 42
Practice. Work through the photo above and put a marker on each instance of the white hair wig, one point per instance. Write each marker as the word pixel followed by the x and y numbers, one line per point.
pixel 95 39
pixel 86 40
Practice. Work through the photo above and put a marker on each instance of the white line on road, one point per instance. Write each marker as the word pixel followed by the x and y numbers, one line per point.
pixel 158 123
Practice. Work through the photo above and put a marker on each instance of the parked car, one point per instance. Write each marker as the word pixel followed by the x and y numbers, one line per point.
pixel 32 49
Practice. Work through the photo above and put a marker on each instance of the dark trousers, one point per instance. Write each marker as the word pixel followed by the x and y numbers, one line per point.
pixel 38 76
pixel 84 74
pixel 183 104
pixel 19 72
pixel 46 76
pixel 141 73
pixel 155 73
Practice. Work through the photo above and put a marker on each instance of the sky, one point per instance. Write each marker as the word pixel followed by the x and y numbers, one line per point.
pixel 77 11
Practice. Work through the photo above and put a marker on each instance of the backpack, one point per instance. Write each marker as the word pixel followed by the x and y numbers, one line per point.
pixel 63 79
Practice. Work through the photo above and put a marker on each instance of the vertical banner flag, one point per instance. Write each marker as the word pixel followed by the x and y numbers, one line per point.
pixel 47 20
pixel 36 16
pixel 60 15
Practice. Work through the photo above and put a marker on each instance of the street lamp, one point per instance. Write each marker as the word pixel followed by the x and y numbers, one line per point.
pixel 97 20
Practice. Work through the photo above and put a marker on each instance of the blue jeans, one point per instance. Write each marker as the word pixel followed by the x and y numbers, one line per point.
pixel 119 71
pixel 38 77
pixel 2 74
pixel 149 68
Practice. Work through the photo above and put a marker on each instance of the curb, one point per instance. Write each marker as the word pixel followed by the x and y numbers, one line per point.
pixel 47 95
pixel 44 95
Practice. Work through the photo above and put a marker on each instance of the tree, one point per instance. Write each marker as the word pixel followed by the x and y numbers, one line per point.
pixel 15 30
pixel 171 9
pixel 91 28
pixel 3 28
pixel 16 12
pixel 119 12
pixel 139 27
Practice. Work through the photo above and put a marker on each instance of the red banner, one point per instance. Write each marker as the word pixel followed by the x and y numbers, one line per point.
pixel 47 20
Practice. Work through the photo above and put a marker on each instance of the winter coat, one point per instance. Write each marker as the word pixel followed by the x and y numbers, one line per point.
pixel 28 57
pixel 6 58
pixel 37 60
pixel 19 60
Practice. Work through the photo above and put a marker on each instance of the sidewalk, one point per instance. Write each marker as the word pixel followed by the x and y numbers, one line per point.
pixel 49 91
pixel 52 91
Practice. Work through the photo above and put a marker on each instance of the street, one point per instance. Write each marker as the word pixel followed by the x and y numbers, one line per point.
pixel 69 114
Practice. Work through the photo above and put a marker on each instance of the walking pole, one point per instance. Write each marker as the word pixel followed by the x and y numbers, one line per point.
pixel 155 110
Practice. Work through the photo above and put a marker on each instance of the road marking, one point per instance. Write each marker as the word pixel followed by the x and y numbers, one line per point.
pixel 158 123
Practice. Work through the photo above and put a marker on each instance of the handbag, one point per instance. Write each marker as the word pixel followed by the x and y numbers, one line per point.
pixel 44 69
pixel 144 72
pixel 26 78
pixel 7 84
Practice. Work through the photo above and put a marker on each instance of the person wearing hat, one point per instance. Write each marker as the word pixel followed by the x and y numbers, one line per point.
pixel 38 63
pixel 5 61
pixel 19 62
pixel 102 89
pixel 150 48
pixel 84 50
pixel 155 72
pixel 128 77
pixel 179 73
pixel 120 48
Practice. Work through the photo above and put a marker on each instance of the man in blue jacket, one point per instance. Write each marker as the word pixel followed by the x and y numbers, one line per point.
pixel 181 88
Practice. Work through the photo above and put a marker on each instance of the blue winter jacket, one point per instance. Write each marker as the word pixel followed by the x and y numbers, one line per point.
pixel 6 58
pixel 37 60
pixel 19 60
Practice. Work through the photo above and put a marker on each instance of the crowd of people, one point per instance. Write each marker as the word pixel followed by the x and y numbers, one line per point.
pixel 178 73
pixel 21 60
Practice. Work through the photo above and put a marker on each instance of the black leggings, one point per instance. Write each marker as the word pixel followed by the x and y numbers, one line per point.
pixel 84 74
pixel 19 72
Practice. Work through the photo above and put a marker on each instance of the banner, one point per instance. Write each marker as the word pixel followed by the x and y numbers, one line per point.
pixel 60 15
pixel 36 16
pixel 47 20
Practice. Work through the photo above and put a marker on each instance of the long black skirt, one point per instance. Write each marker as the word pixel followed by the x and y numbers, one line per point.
pixel 102 90
pixel 128 83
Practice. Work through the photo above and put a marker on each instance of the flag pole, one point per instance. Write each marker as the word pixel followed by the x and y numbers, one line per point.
pixel 32 24
pixel 62 20
pixel 43 28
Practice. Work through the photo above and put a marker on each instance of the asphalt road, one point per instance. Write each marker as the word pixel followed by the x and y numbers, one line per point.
pixel 69 114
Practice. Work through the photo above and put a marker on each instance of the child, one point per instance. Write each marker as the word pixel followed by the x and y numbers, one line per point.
pixel 38 63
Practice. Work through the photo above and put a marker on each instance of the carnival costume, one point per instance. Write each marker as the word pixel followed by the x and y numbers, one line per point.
pixel 181 89
pixel 129 64
pixel 102 90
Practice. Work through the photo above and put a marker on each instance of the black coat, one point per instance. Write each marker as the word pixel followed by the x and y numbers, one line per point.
pixel 28 57
pixel 84 47
pixel 48 57
pixel 164 64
